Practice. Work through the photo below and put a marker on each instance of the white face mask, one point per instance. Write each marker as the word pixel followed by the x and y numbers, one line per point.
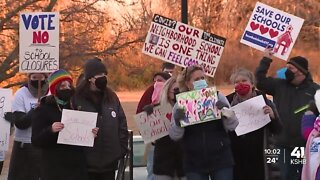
pixel 201 84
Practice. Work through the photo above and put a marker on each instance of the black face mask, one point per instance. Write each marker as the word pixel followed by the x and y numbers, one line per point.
pixel 35 84
pixel 289 75
pixel 101 83
pixel 64 94
pixel 176 91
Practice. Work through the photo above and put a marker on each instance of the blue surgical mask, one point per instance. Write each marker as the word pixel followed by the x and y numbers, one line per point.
pixel 201 84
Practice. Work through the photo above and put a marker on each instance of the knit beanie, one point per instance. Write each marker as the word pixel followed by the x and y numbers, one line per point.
pixel 56 78
pixel 94 67
pixel 300 63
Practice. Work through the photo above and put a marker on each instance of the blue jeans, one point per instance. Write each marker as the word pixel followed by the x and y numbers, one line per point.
pixel 150 163
pixel 222 174
pixel 289 171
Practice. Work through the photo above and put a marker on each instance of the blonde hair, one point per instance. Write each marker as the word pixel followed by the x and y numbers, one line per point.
pixel 164 97
pixel 185 75
pixel 242 72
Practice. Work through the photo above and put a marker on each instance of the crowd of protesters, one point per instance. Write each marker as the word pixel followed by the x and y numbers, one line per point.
pixel 208 150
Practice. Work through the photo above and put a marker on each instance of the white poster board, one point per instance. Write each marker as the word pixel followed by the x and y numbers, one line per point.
pixel 78 127
pixel 183 45
pixel 272 27
pixel 5 106
pixel 250 115
pixel 153 126
pixel 38 42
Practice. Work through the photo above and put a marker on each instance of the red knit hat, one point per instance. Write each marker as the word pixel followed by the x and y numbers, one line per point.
pixel 56 78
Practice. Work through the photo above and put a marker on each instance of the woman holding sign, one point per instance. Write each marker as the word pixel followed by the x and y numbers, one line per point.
pixel 248 149
pixel 167 162
pixel 93 95
pixel 206 146
pixel 59 162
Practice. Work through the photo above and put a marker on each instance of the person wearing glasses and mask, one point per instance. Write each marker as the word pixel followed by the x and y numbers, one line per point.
pixel 206 146
pixel 94 95
pixel 58 161
pixel 25 158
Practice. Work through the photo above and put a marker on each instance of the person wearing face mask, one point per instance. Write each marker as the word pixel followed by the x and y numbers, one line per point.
pixel 149 98
pixel 58 161
pixel 206 146
pixel 94 95
pixel 291 95
pixel 25 158
pixel 167 160
pixel 248 149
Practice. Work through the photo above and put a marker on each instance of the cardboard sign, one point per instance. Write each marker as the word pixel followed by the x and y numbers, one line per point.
pixel 78 127
pixel 5 106
pixel 39 42
pixel 183 45
pixel 250 115
pixel 155 125
pixel 199 106
pixel 274 28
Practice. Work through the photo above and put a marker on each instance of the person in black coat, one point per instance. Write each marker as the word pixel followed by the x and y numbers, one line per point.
pixel 59 162
pixel 248 149
pixel 111 144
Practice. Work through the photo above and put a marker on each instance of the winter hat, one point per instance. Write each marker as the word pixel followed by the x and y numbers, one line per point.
pixel 300 63
pixel 56 78
pixel 164 75
pixel 93 67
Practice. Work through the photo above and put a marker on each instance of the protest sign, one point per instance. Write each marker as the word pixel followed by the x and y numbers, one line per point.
pixel 199 106
pixel 251 115
pixel 5 106
pixel 272 27
pixel 78 127
pixel 153 126
pixel 38 42
pixel 317 99
pixel 183 45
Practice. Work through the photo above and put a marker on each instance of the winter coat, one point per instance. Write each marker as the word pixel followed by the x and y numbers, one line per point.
pixel 59 162
pixel 111 143
pixel 288 98
pixel 248 149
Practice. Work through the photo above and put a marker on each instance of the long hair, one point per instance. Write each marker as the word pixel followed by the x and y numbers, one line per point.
pixel 185 76
pixel 164 97
pixel 243 72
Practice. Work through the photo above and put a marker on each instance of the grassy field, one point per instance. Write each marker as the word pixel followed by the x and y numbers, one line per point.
pixel 129 101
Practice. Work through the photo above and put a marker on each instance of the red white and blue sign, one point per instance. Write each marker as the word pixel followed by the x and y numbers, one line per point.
pixel 274 28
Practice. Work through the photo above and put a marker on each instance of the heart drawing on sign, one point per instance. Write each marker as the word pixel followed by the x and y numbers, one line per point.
pixel 254 26
pixel 273 33
pixel 263 29
pixel 168 116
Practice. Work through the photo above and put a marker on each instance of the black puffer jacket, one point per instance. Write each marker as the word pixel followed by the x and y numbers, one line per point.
pixel 288 98
pixel 112 140
pixel 59 162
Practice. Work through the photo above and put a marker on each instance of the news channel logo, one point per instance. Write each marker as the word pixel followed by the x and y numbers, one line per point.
pixel 297 156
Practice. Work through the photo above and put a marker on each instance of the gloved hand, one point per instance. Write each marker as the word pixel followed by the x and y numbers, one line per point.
pixel 8 116
pixel 220 105
pixel 228 113
pixel 148 109
pixel 178 116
